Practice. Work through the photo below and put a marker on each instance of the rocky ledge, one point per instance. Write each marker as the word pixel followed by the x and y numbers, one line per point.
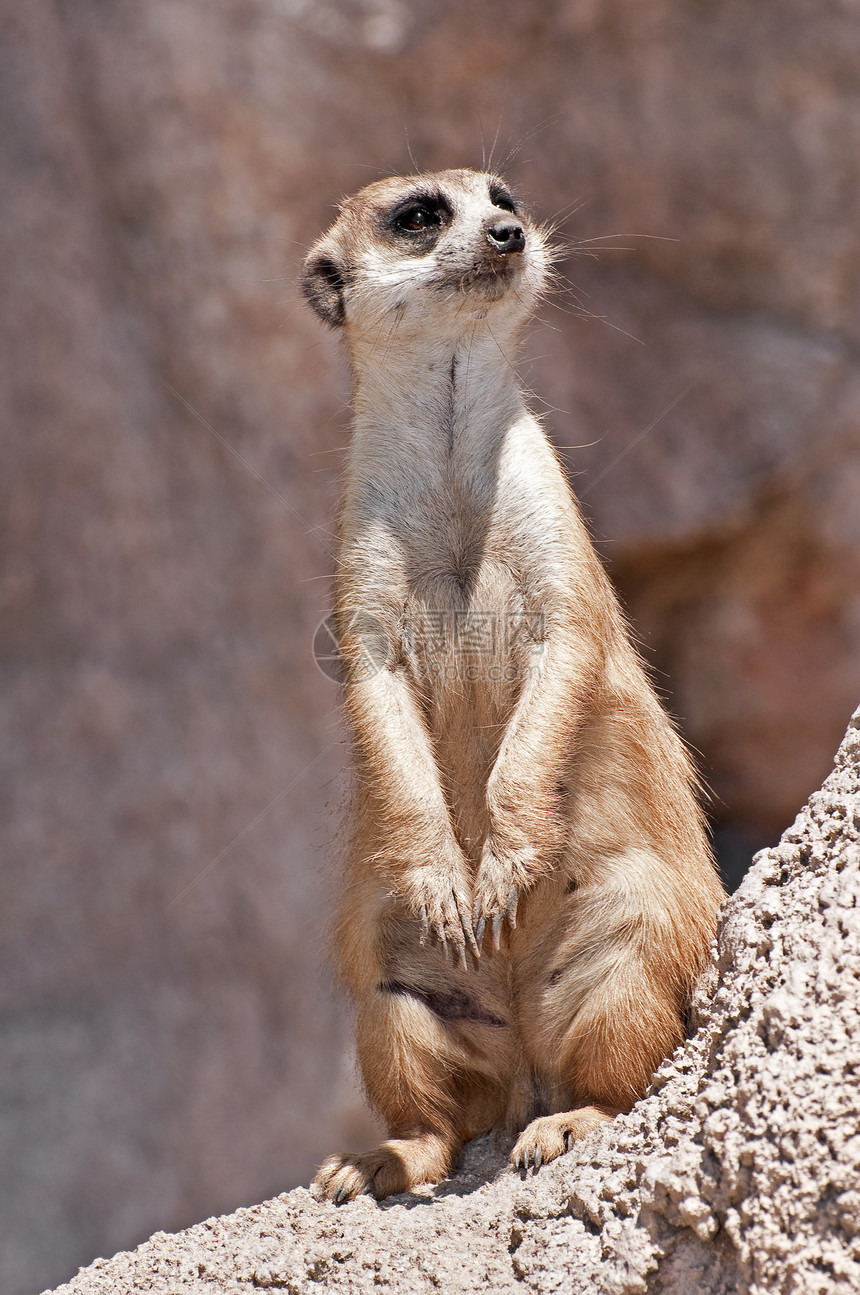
pixel 739 1172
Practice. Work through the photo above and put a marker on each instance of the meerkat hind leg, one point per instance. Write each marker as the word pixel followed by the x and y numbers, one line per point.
pixel 396 1165
pixel 422 1052
pixel 550 1136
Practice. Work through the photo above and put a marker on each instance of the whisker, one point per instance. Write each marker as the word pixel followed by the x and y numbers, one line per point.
pixel 528 137
pixel 565 213
pixel 489 166
pixel 662 238
pixel 415 165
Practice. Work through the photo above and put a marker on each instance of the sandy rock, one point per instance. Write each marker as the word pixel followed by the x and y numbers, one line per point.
pixel 737 1174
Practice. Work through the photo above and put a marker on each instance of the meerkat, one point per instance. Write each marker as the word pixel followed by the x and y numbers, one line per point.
pixel 529 890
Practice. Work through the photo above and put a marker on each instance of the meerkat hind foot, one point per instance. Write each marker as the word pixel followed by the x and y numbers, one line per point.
pixel 550 1136
pixel 398 1165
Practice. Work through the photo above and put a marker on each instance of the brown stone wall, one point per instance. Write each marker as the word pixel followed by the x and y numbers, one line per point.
pixel 172 425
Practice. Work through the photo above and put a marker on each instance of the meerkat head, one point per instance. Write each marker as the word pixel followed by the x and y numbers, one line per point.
pixel 427 251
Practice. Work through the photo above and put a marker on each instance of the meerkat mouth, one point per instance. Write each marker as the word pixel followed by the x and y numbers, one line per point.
pixel 488 280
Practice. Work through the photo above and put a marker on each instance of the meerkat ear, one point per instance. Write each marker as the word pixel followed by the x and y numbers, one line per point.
pixel 323 281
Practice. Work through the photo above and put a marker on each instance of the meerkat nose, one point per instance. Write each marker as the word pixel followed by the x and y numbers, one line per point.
pixel 506 236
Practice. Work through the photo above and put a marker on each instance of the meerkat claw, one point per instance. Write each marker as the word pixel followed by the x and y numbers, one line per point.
pixel 498 919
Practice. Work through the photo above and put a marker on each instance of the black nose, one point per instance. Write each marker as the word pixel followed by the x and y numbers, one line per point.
pixel 506 236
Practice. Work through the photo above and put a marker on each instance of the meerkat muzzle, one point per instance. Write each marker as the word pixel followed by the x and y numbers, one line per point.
pixel 506 236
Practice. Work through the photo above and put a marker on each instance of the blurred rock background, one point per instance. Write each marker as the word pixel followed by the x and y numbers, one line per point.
pixel 173 422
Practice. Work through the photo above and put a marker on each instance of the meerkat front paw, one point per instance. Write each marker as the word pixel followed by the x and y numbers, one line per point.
pixel 495 903
pixel 442 902
pixel 499 883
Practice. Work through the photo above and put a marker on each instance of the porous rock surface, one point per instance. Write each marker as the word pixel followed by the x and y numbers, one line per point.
pixel 739 1172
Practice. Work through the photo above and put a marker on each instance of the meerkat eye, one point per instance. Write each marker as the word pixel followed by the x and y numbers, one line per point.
pixel 503 201
pixel 417 218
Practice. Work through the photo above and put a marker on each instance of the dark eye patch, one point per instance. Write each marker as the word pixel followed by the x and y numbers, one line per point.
pixel 503 199
pixel 416 218
pixel 419 213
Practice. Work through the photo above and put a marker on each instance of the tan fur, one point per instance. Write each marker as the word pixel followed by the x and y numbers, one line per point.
pixel 529 892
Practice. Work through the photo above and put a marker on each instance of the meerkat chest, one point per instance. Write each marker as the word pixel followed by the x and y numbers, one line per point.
pixel 467 628
pixel 447 549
